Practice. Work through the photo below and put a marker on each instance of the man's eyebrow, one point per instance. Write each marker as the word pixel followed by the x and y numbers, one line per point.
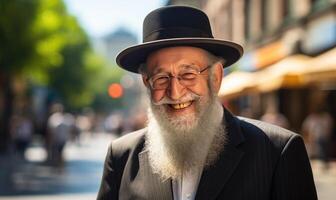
pixel 158 70
pixel 188 66
pixel 183 66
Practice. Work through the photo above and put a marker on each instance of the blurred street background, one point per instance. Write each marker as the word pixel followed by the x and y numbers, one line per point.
pixel 33 178
pixel 63 99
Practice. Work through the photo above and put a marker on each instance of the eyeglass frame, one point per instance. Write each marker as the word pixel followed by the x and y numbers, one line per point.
pixel 170 76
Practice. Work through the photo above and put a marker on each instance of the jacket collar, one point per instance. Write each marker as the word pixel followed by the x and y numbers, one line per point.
pixel 155 188
pixel 214 179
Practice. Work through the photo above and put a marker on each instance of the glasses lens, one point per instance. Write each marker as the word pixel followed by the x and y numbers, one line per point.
pixel 185 78
pixel 188 78
pixel 160 82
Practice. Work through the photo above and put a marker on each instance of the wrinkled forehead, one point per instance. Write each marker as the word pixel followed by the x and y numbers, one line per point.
pixel 176 56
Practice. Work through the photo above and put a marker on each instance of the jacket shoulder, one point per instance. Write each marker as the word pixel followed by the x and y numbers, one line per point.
pixel 277 136
pixel 128 142
pixel 120 151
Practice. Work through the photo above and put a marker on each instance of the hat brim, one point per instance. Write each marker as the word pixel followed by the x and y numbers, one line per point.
pixel 131 58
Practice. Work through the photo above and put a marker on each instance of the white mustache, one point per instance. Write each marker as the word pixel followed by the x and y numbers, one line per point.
pixel 185 98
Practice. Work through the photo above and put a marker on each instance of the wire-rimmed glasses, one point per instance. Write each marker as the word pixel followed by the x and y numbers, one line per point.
pixel 186 78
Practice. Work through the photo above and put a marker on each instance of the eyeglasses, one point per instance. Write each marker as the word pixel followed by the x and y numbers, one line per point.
pixel 186 78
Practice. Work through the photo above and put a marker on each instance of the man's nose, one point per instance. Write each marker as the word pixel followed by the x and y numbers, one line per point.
pixel 176 89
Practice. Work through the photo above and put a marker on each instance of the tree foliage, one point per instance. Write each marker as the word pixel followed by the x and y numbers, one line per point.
pixel 41 40
pixel 16 37
pixel 43 44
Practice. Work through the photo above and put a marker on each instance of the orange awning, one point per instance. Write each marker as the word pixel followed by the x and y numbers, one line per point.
pixel 291 72
pixel 235 84
pixel 285 73
pixel 322 68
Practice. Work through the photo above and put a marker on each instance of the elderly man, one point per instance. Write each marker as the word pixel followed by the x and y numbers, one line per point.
pixel 193 148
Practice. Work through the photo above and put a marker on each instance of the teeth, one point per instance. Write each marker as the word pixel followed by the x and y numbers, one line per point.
pixel 181 105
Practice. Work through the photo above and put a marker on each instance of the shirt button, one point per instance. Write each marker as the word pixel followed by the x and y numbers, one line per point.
pixel 188 196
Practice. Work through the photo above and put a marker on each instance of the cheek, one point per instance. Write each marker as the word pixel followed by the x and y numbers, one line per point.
pixel 157 95
pixel 201 89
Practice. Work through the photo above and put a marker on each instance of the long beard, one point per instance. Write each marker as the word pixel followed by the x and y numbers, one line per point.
pixel 178 144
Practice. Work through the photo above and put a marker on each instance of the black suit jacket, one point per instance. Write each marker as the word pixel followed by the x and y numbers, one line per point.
pixel 260 162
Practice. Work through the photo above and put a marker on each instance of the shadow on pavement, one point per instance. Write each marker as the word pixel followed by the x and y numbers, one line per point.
pixel 20 177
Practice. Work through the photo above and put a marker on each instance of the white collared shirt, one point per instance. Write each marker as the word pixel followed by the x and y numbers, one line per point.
pixel 185 187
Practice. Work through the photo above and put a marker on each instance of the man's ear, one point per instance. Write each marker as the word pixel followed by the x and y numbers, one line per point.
pixel 145 80
pixel 217 76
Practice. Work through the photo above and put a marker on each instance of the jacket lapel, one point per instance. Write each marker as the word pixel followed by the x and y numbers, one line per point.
pixel 214 178
pixel 155 187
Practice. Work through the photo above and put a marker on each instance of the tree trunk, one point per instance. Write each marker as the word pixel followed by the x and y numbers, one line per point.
pixel 6 94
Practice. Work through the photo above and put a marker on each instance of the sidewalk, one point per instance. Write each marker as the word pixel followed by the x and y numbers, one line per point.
pixel 79 179
pixel 325 180
pixel 52 197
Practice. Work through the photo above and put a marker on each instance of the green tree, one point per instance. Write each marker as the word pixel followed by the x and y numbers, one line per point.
pixel 65 60
pixel 42 42
pixel 16 44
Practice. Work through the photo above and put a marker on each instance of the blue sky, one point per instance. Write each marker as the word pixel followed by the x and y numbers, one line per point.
pixel 100 17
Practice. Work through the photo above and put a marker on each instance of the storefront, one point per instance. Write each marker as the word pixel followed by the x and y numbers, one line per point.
pixel 295 86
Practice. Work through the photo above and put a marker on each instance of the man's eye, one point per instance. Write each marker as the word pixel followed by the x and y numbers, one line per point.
pixel 188 76
pixel 160 80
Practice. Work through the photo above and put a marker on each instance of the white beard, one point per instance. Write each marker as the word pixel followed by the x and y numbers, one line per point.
pixel 184 143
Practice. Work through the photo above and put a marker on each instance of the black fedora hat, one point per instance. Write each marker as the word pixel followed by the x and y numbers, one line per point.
pixel 177 26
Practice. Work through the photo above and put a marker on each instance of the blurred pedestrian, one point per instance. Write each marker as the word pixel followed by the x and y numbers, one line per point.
pixel 193 147
pixel 21 132
pixel 273 116
pixel 317 129
pixel 60 127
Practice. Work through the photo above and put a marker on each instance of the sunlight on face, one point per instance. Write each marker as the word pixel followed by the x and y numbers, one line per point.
pixel 179 106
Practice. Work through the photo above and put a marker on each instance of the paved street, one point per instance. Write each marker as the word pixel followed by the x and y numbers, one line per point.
pixel 80 178
pixel 325 180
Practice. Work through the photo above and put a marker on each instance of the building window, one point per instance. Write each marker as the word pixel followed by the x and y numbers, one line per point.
pixel 313 2
pixel 285 9
pixel 317 5
pixel 247 17
pixel 264 16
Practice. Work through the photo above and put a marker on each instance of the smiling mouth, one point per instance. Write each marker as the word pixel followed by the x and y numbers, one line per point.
pixel 181 105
